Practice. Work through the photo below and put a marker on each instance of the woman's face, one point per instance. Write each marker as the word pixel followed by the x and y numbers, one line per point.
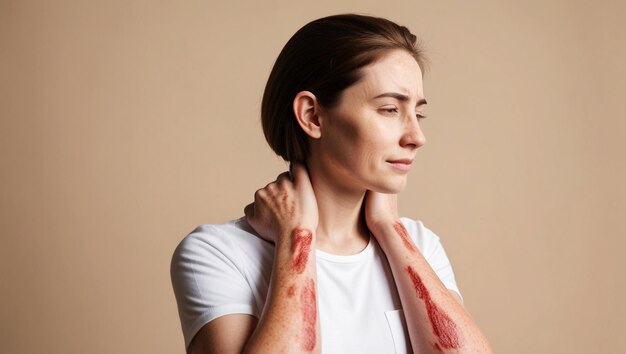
pixel 370 139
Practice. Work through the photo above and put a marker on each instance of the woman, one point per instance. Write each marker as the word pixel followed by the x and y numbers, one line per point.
pixel 322 262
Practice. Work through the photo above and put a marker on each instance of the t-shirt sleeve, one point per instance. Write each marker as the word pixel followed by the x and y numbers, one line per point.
pixel 207 280
pixel 432 249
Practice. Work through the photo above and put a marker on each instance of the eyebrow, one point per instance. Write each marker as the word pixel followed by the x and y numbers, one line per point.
pixel 400 97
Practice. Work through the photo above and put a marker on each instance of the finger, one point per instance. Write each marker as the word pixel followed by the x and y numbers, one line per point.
pixel 284 175
pixel 260 194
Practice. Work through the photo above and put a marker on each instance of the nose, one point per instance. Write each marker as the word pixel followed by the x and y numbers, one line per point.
pixel 413 136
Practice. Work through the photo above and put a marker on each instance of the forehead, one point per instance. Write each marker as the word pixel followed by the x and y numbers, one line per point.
pixel 397 71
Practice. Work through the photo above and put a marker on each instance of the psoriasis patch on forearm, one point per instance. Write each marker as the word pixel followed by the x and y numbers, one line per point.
pixel 291 291
pixel 445 329
pixel 300 248
pixel 404 235
pixel 308 306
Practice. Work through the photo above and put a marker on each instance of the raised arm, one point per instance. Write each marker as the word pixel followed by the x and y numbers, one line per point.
pixel 284 212
pixel 437 321
pixel 289 322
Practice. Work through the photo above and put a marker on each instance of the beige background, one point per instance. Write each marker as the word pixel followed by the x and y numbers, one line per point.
pixel 124 124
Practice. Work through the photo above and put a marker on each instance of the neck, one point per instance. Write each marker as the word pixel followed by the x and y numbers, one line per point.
pixel 341 228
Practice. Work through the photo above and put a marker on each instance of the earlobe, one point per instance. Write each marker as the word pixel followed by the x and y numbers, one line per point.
pixel 306 110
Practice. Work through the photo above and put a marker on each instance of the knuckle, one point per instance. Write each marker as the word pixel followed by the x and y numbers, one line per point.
pixel 271 190
pixel 283 183
pixel 284 175
pixel 260 193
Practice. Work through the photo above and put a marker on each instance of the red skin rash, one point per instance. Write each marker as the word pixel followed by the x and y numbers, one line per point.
pixel 291 291
pixel 301 247
pixel 404 235
pixel 443 326
pixel 308 306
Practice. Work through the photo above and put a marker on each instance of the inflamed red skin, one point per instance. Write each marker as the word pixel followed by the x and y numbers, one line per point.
pixel 308 306
pixel 291 291
pixel 301 248
pixel 404 235
pixel 445 329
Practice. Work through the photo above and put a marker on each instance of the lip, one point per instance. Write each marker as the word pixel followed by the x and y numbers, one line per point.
pixel 401 164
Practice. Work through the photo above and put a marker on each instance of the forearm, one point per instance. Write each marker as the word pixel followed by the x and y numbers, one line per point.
pixel 436 321
pixel 289 322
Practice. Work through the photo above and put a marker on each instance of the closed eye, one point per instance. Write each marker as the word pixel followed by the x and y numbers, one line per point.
pixel 393 111
pixel 389 111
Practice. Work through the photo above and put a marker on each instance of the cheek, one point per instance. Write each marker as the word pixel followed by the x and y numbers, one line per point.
pixel 376 141
pixel 364 145
pixel 357 140
pixel 347 129
pixel 343 138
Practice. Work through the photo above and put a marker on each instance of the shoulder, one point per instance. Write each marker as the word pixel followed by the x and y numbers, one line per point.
pixel 211 274
pixel 423 237
pixel 432 250
pixel 418 231
pixel 414 225
pixel 217 237
pixel 217 242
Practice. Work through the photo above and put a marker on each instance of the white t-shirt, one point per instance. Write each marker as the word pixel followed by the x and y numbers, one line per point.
pixel 225 269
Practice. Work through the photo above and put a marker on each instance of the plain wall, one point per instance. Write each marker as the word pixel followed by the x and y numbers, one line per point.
pixel 125 124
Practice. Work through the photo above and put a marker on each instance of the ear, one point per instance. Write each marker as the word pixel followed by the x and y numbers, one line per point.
pixel 306 110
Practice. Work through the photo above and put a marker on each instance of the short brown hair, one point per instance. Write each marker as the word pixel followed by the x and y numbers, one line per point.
pixel 324 57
